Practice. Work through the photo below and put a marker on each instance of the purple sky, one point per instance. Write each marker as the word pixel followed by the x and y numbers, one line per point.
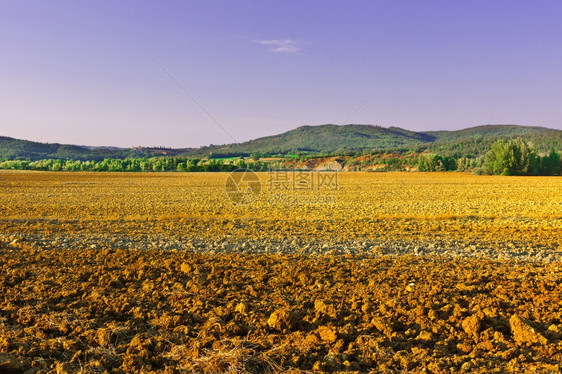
pixel 81 72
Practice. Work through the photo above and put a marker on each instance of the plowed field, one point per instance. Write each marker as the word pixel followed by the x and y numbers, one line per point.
pixel 389 272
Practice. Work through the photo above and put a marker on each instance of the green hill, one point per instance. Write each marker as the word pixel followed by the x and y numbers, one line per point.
pixel 328 139
pixel 488 131
pixel 16 149
pixel 476 141
pixel 335 139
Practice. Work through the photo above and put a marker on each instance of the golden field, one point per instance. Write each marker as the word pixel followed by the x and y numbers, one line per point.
pixel 388 272
pixel 437 212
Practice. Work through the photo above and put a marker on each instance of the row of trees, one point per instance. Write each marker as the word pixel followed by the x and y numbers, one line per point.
pixel 507 157
pixel 431 162
pixel 131 164
pixel 517 157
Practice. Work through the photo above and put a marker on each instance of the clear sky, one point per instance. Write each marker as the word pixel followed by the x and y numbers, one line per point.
pixel 92 72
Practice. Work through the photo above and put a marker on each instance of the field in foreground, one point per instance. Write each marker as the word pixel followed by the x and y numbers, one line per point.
pixel 386 272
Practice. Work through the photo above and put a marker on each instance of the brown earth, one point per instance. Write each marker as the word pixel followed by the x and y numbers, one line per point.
pixel 148 272
pixel 126 311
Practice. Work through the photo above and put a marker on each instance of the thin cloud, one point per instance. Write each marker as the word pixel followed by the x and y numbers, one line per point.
pixel 281 45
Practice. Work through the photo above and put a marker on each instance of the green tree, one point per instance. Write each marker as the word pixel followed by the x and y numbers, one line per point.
pixel 548 164
pixel 431 162
pixel 182 166
pixel 512 157
pixel 555 162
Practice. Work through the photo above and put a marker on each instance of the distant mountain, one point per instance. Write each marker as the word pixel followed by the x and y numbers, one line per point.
pixel 489 130
pixel 329 138
pixel 332 139
pixel 16 149
pixel 335 139
pixel 476 141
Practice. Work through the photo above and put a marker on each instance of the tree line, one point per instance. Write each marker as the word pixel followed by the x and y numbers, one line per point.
pixel 154 164
pixel 506 157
